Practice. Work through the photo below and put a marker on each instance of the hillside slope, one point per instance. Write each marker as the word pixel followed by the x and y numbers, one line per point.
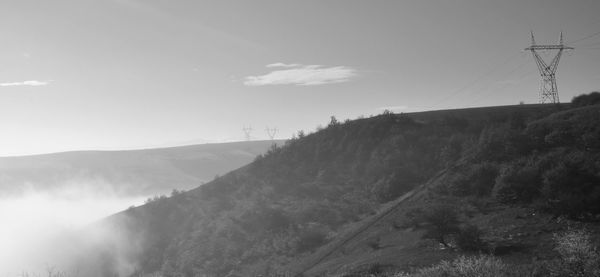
pixel 269 215
pixel 543 179
pixel 128 172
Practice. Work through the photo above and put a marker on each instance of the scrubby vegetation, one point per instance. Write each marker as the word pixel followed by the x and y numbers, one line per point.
pixel 552 161
pixel 576 257
pixel 479 266
pixel 586 99
pixel 293 199
pixel 302 195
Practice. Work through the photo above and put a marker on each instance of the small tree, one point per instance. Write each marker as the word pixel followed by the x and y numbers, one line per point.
pixel 572 187
pixel 592 98
pixel 442 221
pixel 301 134
pixel 333 122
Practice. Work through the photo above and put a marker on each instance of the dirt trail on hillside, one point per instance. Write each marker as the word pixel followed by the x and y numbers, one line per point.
pixel 336 245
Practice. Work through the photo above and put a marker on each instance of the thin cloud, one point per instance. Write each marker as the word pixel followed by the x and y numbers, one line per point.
pixel 33 83
pixel 302 75
pixel 285 65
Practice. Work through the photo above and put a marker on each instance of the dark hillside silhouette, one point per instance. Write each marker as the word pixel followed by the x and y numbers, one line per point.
pixel 298 197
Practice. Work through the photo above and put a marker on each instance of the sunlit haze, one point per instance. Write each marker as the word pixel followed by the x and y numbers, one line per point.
pixel 121 74
pixel 32 220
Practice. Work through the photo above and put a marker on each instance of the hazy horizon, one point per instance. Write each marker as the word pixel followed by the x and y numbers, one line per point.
pixel 120 74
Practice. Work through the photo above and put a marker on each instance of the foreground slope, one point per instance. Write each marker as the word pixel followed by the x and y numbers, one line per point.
pixel 284 208
pixel 510 195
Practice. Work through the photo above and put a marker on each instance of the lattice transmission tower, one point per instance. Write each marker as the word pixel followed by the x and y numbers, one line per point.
pixel 271 132
pixel 247 131
pixel 548 89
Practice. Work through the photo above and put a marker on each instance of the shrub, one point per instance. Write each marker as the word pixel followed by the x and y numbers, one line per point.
pixel 469 239
pixel 571 128
pixel 482 178
pixel 592 98
pixel 458 185
pixel 479 180
pixel 442 221
pixel 491 144
pixel 452 150
pixel 501 143
pixel 480 266
pixel 375 244
pixel 578 257
pixel 518 182
pixel 572 187
pixel 395 186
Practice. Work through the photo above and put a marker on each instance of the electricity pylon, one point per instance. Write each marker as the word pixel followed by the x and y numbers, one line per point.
pixel 247 131
pixel 271 132
pixel 548 89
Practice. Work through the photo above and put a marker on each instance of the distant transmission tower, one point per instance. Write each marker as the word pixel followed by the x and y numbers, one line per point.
pixel 271 132
pixel 247 131
pixel 548 90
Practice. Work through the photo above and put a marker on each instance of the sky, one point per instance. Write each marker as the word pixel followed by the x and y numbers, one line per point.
pixel 125 74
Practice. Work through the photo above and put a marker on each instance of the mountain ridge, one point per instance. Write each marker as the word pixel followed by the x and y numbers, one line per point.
pixel 139 171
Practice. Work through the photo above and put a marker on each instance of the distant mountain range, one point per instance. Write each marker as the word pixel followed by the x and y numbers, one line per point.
pixel 128 172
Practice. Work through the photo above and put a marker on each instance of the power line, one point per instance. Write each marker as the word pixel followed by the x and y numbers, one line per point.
pixel 584 38
pixel 475 81
pixel 514 69
pixel 519 79
pixel 588 45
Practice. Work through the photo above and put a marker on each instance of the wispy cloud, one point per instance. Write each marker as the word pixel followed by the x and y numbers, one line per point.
pixel 285 65
pixel 33 83
pixel 303 75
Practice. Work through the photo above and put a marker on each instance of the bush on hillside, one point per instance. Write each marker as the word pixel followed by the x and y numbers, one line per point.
pixel 518 182
pixel 479 266
pixel 453 149
pixel 482 178
pixel 572 187
pixel 592 98
pixel 579 128
pixel 502 143
pixel 469 239
pixel 479 180
pixel 442 221
pixel 578 256
pixel 457 185
pixel 399 183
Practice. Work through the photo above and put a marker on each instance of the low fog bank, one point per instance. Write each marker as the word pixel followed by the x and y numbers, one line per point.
pixel 47 202
pixel 50 230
